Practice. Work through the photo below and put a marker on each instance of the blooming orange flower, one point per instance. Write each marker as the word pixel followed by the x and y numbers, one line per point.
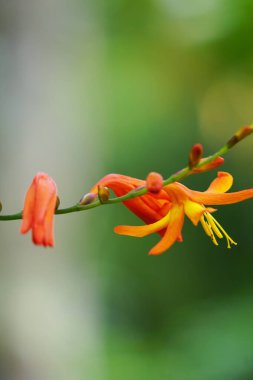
pixel 147 207
pixel 39 208
pixel 164 212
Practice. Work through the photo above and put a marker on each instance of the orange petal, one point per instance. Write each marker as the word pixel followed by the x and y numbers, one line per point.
pixel 28 209
pixel 140 231
pixel 140 208
pixel 173 230
pixel 38 234
pixel 45 189
pixel 221 184
pixel 118 182
pixel 155 203
pixel 207 197
pixel 49 223
pixel 219 199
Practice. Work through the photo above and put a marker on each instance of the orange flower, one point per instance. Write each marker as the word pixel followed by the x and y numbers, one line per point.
pixel 149 207
pixel 164 212
pixel 39 208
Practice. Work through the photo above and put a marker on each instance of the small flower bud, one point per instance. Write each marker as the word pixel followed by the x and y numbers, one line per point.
pixel 240 135
pixel 1 206
pixel 57 203
pixel 88 198
pixel 210 166
pixel 103 194
pixel 195 155
pixel 154 182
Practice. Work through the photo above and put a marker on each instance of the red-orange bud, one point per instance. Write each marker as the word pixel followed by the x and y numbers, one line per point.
pixel 154 182
pixel 195 155
pixel 240 135
pixel 210 166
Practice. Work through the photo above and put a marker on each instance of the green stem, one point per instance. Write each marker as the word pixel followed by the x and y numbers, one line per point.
pixel 11 217
pixel 132 194
pixel 77 207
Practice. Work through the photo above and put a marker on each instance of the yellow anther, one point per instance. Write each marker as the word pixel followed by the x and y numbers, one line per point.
pixel 205 226
pixel 211 227
pixel 210 219
pixel 229 239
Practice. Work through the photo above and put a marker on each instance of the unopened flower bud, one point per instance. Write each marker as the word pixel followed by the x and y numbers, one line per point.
pixel 1 206
pixel 154 182
pixel 103 194
pixel 88 198
pixel 57 203
pixel 240 135
pixel 210 166
pixel 195 155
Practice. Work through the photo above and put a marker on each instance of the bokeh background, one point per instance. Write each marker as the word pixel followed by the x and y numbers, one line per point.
pixel 90 87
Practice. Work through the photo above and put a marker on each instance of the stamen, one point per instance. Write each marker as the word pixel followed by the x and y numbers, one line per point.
pixel 208 229
pixel 211 227
pixel 205 226
pixel 213 238
pixel 229 239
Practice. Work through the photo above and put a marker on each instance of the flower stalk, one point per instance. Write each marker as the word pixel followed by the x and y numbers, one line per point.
pixel 88 202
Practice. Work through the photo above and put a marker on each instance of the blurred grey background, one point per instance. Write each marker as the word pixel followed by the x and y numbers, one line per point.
pixel 91 87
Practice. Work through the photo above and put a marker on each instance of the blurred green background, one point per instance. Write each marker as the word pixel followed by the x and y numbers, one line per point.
pixel 90 87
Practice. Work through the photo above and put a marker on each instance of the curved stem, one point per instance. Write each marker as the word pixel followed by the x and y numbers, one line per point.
pixel 134 193
pixel 78 207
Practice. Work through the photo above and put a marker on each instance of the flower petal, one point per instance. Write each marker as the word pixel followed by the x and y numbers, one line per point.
pixel 209 198
pixel 194 211
pixel 143 210
pixel 221 184
pixel 118 183
pixel 49 222
pixel 27 216
pixel 38 234
pixel 45 189
pixel 140 231
pixel 173 230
